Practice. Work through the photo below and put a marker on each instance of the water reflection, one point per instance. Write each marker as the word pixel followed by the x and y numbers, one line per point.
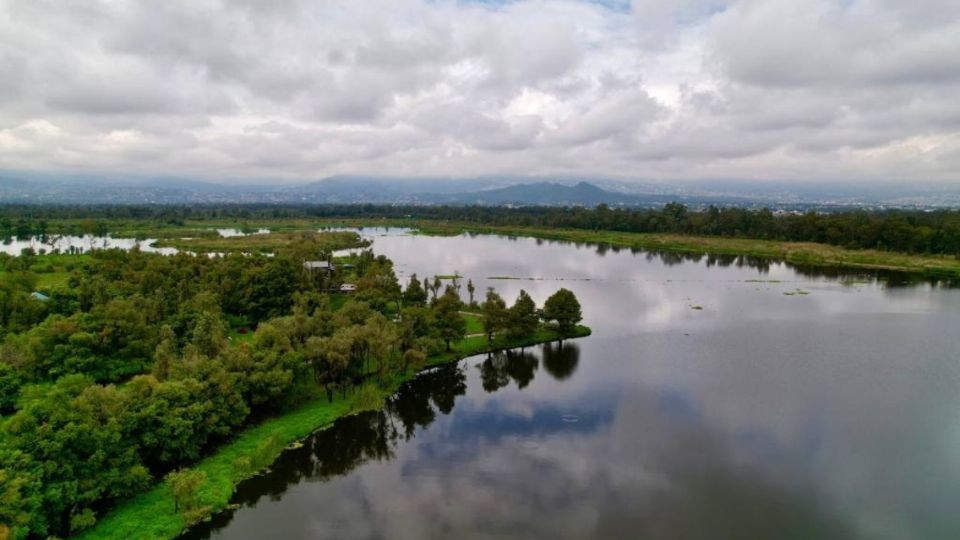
pixel 75 245
pixel 230 233
pixel 561 359
pixel 500 472
pixel 498 369
pixel 353 440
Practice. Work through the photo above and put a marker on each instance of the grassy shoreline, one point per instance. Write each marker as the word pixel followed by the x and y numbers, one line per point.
pixel 799 253
pixel 151 515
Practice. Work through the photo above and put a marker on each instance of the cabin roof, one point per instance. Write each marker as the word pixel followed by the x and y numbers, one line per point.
pixel 314 265
pixel 40 296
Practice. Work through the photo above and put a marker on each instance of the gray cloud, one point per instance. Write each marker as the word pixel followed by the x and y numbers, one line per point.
pixel 678 89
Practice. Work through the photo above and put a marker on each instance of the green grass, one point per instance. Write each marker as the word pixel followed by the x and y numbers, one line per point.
pixel 263 243
pixel 338 300
pixel 236 337
pixel 152 516
pixel 53 280
pixel 53 271
pixel 474 322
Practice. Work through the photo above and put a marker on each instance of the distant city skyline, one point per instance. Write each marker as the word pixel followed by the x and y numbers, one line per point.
pixel 819 90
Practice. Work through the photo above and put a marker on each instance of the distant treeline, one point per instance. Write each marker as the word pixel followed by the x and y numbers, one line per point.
pixel 910 231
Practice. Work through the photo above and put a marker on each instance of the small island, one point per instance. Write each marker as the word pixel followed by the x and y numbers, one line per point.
pixel 138 389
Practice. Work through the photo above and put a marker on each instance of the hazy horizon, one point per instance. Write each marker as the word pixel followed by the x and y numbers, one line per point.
pixel 244 93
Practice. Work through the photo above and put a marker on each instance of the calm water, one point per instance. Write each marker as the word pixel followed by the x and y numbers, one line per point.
pixel 78 244
pixel 72 244
pixel 830 412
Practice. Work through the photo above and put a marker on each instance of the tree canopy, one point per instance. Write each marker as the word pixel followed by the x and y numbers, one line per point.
pixel 563 309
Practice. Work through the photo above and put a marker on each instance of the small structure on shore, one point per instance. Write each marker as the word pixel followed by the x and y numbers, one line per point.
pixel 318 265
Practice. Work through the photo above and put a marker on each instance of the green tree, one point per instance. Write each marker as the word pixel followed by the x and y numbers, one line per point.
pixel 165 354
pixel 416 323
pixel 494 314
pixel 74 433
pixel 414 358
pixel 522 317
pixel 450 323
pixel 435 287
pixel 471 290
pixel 184 484
pixel 414 295
pixel 563 309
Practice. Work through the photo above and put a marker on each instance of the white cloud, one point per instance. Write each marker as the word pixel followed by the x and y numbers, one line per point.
pixel 827 89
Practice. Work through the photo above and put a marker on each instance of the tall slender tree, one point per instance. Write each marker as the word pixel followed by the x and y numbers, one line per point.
pixel 494 314
pixel 450 323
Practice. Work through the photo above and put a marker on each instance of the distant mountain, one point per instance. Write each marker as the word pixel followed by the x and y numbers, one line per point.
pixel 58 188
pixel 355 189
pixel 550 194
pixel 464 192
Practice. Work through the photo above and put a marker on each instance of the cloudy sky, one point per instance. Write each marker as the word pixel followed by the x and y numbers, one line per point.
pixel 651 89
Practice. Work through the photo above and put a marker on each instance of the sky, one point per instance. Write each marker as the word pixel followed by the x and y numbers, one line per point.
pixel 845 90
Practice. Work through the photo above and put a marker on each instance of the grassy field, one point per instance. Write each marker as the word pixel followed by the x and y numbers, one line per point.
pixel 474 322
pixel 53 271
pixel 263 243
pixel 154 228
pixel 152 515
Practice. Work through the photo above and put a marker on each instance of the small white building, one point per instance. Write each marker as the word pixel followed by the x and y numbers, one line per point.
pixel 348 288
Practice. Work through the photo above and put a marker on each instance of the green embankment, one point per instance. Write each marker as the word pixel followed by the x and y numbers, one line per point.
pixel 152 515
pixel 800 253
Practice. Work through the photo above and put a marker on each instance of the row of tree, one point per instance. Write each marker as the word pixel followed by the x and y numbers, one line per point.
pixel 914 231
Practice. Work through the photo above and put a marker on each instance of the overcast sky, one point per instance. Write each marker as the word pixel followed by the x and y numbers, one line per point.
pixel 653 89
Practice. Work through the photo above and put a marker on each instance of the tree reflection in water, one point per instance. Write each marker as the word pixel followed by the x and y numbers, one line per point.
pixel 374 435
pixel 561 359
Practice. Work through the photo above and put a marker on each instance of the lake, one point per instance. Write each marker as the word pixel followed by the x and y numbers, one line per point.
pixel 717 398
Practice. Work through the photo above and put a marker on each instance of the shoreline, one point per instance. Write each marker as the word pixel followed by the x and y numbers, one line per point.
pixel 151 514
pixel 808 254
